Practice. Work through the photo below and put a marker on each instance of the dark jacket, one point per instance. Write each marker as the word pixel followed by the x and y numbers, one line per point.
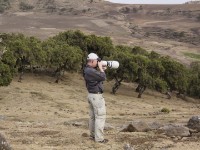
pixel 94 79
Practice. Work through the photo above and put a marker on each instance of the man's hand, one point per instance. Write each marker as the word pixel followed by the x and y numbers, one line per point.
pixel 100 66
pixel 104 67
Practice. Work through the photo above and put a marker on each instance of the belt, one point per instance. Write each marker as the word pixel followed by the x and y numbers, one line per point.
pixel 96 92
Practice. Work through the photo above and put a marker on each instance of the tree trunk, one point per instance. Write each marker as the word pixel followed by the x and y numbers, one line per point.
pixel 116 85
pixel 141 90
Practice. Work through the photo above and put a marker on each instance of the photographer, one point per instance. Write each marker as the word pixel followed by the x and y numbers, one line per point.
pixel 94 83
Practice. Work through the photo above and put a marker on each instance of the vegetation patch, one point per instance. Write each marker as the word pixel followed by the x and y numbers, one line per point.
pixel 165 110
pixel 192 55
pixel 4 4
pixel 25 6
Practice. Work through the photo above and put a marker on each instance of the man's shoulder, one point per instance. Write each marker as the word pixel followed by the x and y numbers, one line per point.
pixel 89 68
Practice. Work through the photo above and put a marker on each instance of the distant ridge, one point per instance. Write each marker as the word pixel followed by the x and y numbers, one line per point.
pixel 193 2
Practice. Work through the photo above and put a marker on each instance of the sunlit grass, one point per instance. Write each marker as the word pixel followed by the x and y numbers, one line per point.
pixel 192 55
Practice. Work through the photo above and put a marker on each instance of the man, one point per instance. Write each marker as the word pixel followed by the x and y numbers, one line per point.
pixel 94 83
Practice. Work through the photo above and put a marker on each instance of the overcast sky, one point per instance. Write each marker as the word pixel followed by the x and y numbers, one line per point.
pixel 149 1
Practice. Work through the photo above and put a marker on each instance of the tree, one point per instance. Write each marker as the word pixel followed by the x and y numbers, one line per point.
pixel 127 70
pixel 37 56
pixel 5 74
pixel 101 45
pixel 175 75
pixel 194 80
pixel 64 58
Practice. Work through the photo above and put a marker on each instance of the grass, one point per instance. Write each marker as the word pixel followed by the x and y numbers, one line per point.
pixel 192 55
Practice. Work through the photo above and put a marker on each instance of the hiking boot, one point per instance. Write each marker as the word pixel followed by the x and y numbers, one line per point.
pixel 92 137
pixel 103 141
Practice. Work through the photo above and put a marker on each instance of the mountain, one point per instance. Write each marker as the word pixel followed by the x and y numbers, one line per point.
pixel 167 29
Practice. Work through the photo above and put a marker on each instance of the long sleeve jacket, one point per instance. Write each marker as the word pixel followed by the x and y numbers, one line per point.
pixel 94 79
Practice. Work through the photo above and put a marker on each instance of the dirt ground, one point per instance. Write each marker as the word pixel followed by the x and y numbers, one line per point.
pixel 38 114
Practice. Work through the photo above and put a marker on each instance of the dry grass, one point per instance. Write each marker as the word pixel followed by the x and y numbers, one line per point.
pixel 40 114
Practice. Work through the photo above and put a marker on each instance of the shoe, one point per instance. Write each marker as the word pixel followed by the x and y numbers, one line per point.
pixel 103 141
pixel 92 138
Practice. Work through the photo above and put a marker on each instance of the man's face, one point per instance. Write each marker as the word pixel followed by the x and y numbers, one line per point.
pixel 94 63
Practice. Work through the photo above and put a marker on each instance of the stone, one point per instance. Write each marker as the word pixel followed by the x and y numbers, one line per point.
pixel 173 130
pixel 194 123
pixel 136 126
pixel 154 125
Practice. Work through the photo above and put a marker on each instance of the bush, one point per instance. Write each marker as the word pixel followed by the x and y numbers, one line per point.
pixel 165 110
pixel 5 74
pixel 25 6
pixel 4 4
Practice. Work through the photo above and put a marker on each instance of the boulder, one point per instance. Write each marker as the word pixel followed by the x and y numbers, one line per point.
pixel 174 130
pixel 136 126
pixel 154 125
pixel 194 123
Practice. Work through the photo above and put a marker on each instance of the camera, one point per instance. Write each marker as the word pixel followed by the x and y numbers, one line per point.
pixel 110 64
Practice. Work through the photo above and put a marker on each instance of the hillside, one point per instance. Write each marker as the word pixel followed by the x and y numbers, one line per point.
pixel 167 29
pixel 38 114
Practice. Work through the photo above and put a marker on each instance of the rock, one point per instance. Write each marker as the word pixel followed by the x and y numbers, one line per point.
pixel 154 125
pixel 194 123
pixel 174 130
pixel 137 126
pixel 128 147
pixel 128 128
pixel 3 143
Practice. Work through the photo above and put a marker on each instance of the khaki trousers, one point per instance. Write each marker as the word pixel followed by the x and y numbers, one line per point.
pixel 97 116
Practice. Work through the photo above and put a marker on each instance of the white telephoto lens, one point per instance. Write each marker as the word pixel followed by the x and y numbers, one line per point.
pixel 104 63
pixel 113 64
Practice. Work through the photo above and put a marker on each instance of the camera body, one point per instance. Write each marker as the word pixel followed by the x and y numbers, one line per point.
pixel 110 64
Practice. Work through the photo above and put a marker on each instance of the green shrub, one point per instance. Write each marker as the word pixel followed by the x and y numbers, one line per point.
pixel 5 74
pixel 4 4
pixel 25 6
pixel 192 55
pixel 165 110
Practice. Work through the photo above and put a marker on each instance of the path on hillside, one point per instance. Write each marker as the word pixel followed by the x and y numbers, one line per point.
pixel 153 22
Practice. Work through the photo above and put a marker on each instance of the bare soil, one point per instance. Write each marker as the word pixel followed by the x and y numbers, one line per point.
pixel 40 114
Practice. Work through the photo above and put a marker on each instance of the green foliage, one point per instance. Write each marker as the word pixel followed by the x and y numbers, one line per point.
pixel 127 69
pixel 175 75
pixel 165 110
pixel 4 4
pixel 36 55
pixel 194 80
pixel 155 68
pixel 154 55
pixel 101 45
pixel 9 59
pixel 72 38
pixel 25 6
pixel 139 50
pixel 5 74
pixel 66 57
pixel 192 55
pixel 67 50
pixel 161 85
